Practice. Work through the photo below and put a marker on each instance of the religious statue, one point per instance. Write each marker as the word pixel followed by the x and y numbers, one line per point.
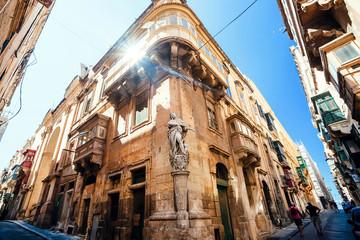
pixel 179 150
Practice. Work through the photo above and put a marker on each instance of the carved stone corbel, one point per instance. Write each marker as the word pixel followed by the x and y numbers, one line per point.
pixel 174 54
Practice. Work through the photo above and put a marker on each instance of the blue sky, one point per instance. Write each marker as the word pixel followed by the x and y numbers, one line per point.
pixel 80 31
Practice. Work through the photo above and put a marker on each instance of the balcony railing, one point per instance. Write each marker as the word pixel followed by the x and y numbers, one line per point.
pixel 287 182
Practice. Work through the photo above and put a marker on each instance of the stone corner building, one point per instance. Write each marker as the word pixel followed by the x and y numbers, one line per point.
pixel 164 138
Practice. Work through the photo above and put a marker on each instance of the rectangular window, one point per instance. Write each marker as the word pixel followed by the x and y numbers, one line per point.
pixel 184 23
pixel 161 22
pixel 243 102
pixel 228 92
pixel 87 102
pixel 81 105
pixel 121 124
pixel 101 132
pixel 260 110
pixel 244 129
pixel 214 59
pixel 103 89
pixel 138 176
pixel 200 43
pixel 173 20
pixel 249 131
pixel 212 116
pixel 270 122
pixel 192 30
pixel 332 70
pixel 257 116
pixel 328 104
pixel 220 67
pixel 70 153
pixel 207 51
pixel 271 143
pixel 141 109
pixel 232 127
pixel 347 53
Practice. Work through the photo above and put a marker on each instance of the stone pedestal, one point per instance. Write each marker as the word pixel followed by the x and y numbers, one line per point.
pixel 180 186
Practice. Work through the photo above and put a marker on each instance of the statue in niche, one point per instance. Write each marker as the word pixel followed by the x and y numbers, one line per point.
pixel 177 130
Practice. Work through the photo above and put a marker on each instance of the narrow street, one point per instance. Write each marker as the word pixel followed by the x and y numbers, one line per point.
pixel 334 226
pixel 14 230
pixel 9 231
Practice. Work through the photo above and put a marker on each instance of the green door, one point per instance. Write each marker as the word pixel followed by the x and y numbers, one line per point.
pixel 225 213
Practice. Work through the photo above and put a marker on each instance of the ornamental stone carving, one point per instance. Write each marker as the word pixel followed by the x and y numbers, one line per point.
pixel 177 130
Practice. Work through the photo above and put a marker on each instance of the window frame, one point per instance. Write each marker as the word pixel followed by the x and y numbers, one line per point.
pixel 135 126
pixel 211 109
pixel 125 110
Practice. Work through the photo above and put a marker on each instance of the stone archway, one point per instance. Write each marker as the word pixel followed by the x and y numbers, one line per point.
pixel 268 200
pixel 47 161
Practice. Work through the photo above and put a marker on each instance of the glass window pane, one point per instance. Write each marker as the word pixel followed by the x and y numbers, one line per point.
pixel 173 20
pixel 192 30
pixel 161 22
pixel 121 123
pixel 207 51
pixel 249 131
pixel 228 92
pixel 220 66
pixel 331 104
pixel 332 70
pixel 232 127
pixel 184 23
pixel 243 102
pixel 244 129
pixel 347 53
pixel 141 111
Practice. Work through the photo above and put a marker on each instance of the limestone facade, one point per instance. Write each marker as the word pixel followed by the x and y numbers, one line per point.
pixel 327 57
pixel 119 164
pixel 21 22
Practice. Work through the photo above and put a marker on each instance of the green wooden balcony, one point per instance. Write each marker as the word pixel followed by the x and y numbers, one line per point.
pixel 333 116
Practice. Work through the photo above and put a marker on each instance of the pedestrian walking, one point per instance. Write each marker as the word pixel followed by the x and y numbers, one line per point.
pixel 314 211
pixel 297 217
pixel 336 207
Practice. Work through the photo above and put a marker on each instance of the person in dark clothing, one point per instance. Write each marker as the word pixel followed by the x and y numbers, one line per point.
pixel 314 211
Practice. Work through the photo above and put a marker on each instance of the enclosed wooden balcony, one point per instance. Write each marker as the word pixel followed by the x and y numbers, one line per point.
pixel 349 86
pixel 91 143
pixel 242 140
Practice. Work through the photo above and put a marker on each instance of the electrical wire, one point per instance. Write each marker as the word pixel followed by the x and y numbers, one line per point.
pixel 228 24
pixel 21 84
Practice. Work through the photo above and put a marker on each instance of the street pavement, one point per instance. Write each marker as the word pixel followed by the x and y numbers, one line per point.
pixel 333 223
pixel 9 231
pixel 15 230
